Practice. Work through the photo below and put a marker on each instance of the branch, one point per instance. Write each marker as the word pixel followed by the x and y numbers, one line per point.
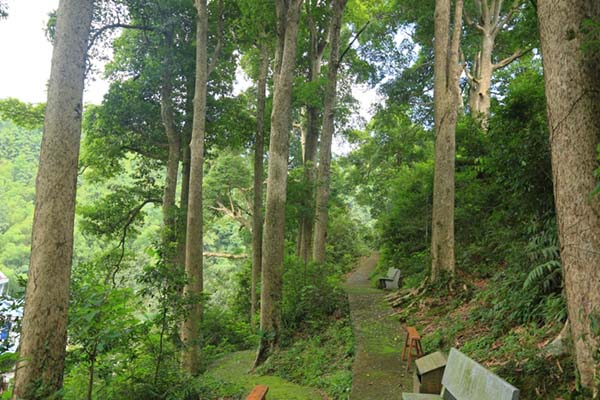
pixel 507 18
pixel 517 54
pixel 219 47
pixel 224 255
pixel 352 42
pixel 472 23
pixel 130 218
pixel 470 78
pixel 118 25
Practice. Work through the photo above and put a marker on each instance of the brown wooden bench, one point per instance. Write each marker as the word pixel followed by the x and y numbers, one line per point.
pixel 413 341
pixel 259 392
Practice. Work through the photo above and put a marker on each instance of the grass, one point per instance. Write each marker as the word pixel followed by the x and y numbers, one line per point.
pixel 235 367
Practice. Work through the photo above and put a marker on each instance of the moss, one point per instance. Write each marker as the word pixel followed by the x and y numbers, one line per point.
pixel 236 366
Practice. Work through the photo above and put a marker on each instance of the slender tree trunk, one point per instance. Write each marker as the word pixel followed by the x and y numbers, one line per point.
pixel 446 103
pixel 44 330
pixel 259 153
pixel 310 145
pixel 183 197
pixel 323 177
pixel 190 329
pixel 274 233
pixel 170 189
pixel 90 391
pixel 572 76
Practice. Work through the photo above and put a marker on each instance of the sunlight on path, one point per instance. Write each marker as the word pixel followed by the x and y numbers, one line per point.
pixel 234 368
pixel 378 372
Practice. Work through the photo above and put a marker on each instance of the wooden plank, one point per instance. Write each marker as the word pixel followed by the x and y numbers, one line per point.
pixel 259 392
pixel 430 362
pixel 412 333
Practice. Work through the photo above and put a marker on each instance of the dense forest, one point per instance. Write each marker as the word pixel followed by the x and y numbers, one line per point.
pixel 196 233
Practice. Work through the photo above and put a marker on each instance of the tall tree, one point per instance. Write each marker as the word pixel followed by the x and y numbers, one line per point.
pixel 446 99
pixel 317 42
pixel 491 19
pixel 44 331
pixel 190 328
pixel 323 176
pixel 274 233
pixel 259 152
pixel 572 80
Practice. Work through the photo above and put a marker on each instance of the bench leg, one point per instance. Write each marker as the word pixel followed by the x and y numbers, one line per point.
pixel 410 347
pixel 405 347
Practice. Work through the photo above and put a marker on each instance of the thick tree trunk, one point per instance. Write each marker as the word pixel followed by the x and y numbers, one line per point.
pixel 259 153
pixel 190 329
pixel 488 22
pixel 446 103
pixel 274 233
pixel 44 332
pixel 572 77
pixel 323 177
pixel 479 90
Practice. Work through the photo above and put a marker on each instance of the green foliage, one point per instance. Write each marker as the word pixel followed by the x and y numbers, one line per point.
pixel 321 360
pixel 311 293
pixel 543 249
pixel 24 115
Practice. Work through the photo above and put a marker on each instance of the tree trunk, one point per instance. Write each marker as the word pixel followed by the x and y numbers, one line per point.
pixel 170 189
pixel 488 23
pixel 446 102
pixel 274 233
pixel 259 153
pixel 310 144
pixel 190 329
pixel 39 372
pixel 572 80
pixel 323 177
pixel 479 89
pixel 183 199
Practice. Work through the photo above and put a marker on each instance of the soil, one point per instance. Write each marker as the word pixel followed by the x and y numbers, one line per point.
pixel 378 372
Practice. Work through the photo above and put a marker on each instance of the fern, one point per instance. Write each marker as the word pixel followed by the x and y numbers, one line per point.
pixel 543 250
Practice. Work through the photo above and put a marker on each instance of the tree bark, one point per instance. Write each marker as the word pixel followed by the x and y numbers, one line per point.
pixel 572 80
pixel 323 177
pixel 190 329
pixel 259 153
pixel 489 22
pixel 446 102
pixel 310 143
pixel 39 372
pixel 169 236
pixel 274 229
pixel 183 198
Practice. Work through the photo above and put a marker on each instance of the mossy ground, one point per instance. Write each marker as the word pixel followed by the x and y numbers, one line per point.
pixel 378 371
pixel 234 368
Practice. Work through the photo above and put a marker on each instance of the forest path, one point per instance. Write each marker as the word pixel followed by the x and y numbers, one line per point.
pixel 378 372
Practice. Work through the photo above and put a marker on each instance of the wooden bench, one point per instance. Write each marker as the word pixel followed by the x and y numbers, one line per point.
pixel 259 392
pixel 413 341
pixel 465 379
pixel 393 280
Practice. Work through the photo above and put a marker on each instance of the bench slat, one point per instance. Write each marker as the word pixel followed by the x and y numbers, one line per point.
pixel 259 392
pixel 419 396
pixel 466 379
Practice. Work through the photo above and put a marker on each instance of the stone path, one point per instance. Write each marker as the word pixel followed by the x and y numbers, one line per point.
pixel 378 372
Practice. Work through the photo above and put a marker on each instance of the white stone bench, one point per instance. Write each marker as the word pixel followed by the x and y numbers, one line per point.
pixel 392 280
pixel 465 379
